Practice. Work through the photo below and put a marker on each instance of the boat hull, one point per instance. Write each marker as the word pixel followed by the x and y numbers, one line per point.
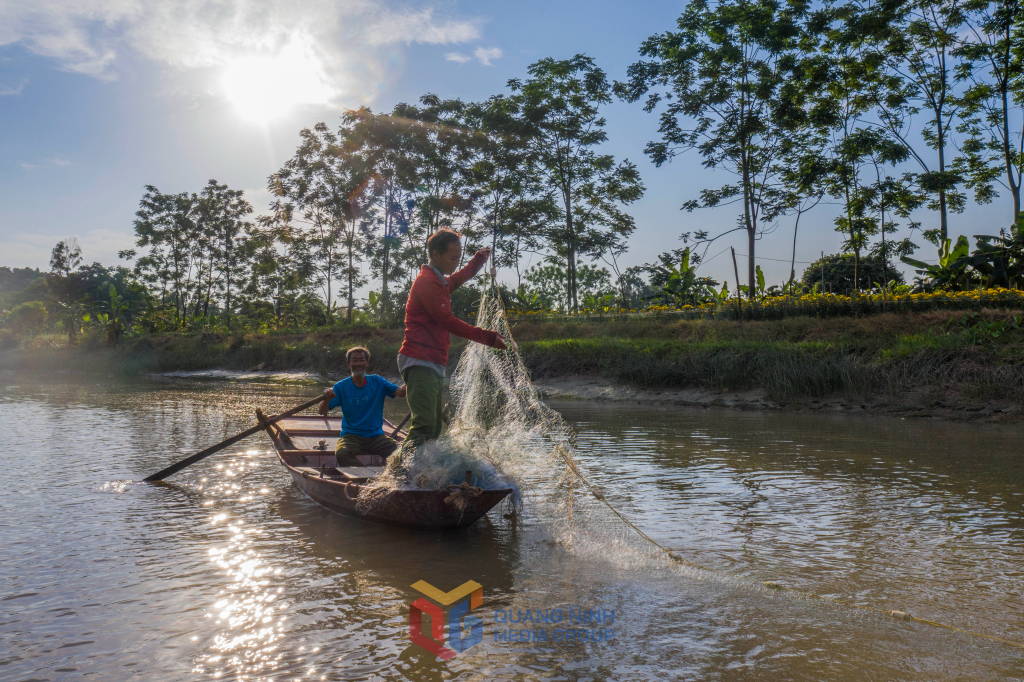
pixel 314 473
pixel 425 509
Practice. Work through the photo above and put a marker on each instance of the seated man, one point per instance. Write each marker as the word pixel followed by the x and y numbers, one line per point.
pixel 361 398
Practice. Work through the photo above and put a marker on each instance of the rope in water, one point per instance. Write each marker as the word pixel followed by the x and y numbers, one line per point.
pixel 900 615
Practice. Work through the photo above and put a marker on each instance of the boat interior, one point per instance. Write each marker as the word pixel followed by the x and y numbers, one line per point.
pixel 306 444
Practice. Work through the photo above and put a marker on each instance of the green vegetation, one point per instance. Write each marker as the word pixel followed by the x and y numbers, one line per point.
pixel 884 110
pixel 888 355
pixel 941 356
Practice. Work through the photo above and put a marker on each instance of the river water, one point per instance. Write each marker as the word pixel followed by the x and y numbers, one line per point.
pixel 229 572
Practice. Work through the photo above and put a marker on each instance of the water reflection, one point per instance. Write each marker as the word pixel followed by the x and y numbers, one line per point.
pixel 229 572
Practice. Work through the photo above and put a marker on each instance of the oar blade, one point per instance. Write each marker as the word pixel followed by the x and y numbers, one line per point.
pixel 189 461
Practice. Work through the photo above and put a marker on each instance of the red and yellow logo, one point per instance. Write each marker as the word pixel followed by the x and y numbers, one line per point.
pixel 464 630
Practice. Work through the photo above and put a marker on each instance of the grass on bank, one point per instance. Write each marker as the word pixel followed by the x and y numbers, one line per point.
pixel 946 354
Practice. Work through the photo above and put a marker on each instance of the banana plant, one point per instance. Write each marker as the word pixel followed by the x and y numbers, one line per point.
pixel 952 271
pixel 526 300
pixel 1000 259
pixel 682 284
pixel 591 302
pixel 117 318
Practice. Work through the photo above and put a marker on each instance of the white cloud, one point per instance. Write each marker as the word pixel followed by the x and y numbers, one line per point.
pixel 457 57
pixel 13 90
pixel 51 162
pixel 485 55
pixel 93 36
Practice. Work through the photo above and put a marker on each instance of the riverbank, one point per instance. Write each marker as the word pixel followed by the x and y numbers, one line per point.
pixel 940 364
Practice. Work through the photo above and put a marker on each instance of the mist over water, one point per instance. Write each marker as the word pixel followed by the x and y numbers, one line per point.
pixel 229 572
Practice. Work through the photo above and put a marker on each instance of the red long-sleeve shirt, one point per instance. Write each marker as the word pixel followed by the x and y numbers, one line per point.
pixel 429 317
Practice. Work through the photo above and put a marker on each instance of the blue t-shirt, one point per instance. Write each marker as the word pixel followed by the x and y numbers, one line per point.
pixel 362 409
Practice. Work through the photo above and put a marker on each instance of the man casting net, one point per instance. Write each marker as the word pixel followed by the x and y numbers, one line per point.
pixel 500 430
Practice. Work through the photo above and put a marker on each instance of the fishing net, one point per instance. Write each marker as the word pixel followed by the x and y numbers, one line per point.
pixel 500 430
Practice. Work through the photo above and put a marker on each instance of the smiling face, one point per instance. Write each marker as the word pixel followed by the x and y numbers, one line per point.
pixel 448 261
pixel 357 364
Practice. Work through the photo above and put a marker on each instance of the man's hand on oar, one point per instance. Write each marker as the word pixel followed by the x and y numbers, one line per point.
pixel 178 466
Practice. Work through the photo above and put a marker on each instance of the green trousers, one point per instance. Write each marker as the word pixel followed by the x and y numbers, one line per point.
pixel 425 389
pixel 351 445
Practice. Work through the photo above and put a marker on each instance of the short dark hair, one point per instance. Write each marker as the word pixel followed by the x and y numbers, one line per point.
pixel 356 349
pixel 441 241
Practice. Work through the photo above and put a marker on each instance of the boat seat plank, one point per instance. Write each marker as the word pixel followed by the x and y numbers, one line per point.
pixel 315 472
pixel 313 433
pixel 318 423
pixel 360 472
pixel 343 472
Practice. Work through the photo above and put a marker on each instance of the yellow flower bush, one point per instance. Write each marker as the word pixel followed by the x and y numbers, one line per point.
pixel 813 305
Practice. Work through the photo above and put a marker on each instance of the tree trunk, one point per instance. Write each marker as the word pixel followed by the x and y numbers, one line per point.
pixel 856 269
pixel 941 144
pixel 792 262
pixel 351 288
pixel 1008 155
pixel 227 284
pixel 570 248
pixel 751 232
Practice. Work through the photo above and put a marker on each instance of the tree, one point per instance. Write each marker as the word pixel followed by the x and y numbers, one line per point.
pixel 993 69
pixel 166 225
pixel 915 43
pixel 515 207
pixel 26 319
pixel 310 184
pixel 221 213
pixel 382 144
pixel 804 169
pixel 65 259
pixel 839 273
pixel 560 104
pixel 550 281
pixel 441 148
pixel 273 273
pixel 728 68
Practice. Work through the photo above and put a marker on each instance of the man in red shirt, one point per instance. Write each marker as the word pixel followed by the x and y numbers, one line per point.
pixel 423 358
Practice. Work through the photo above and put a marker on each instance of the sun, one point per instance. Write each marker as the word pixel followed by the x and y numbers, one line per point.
pixel 266 87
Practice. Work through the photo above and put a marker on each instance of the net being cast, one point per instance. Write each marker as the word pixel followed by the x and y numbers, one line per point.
pixel 361 399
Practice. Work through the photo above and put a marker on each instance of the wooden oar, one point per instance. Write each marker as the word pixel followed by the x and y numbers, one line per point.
pixel 401 424
pixel 178 466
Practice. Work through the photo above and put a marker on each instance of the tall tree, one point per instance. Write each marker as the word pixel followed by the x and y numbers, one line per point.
pixel 915 43
pixel 515 208
pixel 561 104
pixel 727 69
pixel 442 146
pixel 65 259
pixel 221 215
pixel 993 70
pixel 310 184
pixel 383 145
pixel 166 225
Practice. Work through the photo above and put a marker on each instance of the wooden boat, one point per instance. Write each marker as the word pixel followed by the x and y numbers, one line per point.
pixel 305 445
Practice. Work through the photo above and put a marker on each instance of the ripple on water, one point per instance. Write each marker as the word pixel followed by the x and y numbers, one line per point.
pixel 227 570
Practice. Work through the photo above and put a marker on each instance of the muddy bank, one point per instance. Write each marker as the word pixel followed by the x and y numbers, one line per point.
pixel 920 404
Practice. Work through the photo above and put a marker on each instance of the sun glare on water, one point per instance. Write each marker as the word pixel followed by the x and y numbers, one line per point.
pixel 265 87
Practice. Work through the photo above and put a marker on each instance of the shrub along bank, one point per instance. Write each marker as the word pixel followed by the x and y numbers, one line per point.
pixel 963 357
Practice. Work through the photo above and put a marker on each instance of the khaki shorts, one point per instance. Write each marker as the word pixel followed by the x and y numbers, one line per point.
pixel 351 445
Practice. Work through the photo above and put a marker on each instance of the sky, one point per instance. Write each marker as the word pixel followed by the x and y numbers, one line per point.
pixel 100 98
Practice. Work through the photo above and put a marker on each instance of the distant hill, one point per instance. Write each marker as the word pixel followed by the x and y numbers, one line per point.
pixel 16 279
pixel 18 285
